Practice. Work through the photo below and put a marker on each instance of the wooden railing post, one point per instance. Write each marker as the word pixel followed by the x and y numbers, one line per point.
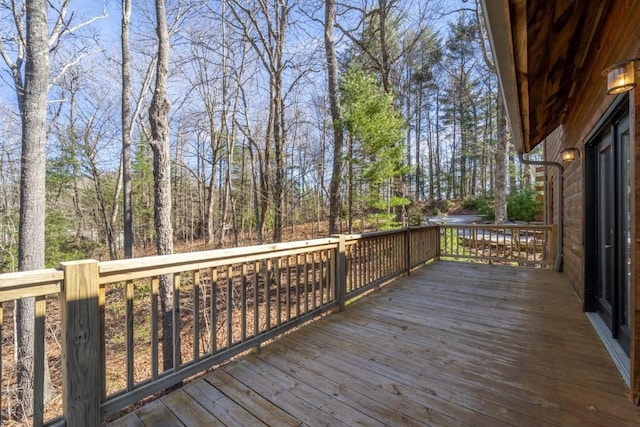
pixel 81 388
pixel 341 272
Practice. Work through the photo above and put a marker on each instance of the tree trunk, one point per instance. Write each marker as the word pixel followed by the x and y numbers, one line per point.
pixel 419 190
pixel 501 163
pixel 350 186
pixel 437 162
pixel 31 243
pixel 385 59
pixel 127 207
pixel 159 122
pixel 334 105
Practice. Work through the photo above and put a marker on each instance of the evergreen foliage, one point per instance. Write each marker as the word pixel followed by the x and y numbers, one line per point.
pixel 482 204
pixel 522 205
pixel 371 120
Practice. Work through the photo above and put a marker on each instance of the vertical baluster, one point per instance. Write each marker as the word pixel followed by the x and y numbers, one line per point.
pixel 349 265
pixel 395 248
pixel 256 294
pixel 393 245
pixel 339 273
pixel 487 246
pixel 359 265
pixel 129 297
pixel 267 296
pixel 454 237
pixel 288 287
pixel 229 317
pixel 305 269
pixel 314 278
pixel 214 310
pixel 40 356
pixel 370 264
pixel 177 322
pixel 383 257
pixel 355 267
pixel 278 282
pixel 298 284
pixel 243 299
pixel 363 263
pixel 196 315
pixel 388 257
pixel 155 286
pixel 102 360
pixel 331 267
pixel 514 246
pixel 379 258
pixel 323 277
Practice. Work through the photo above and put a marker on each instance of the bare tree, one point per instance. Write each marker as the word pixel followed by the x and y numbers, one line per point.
pixel 159 124
pixel 265 27
pixel 502 147
pixel 30 73
pixel 32 95
pixel 334 105
pixel 127 207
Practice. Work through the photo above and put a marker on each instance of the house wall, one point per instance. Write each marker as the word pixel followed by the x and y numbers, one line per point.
pixel 616 40
pixel 573 208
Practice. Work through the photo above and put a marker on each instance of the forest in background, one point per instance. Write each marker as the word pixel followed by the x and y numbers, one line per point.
pixel 135 128
pixel 261 139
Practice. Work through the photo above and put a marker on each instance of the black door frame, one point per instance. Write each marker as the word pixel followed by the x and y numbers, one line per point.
pixel 618 110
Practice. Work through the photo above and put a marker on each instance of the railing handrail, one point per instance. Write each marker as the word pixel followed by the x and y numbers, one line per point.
pixel 134 268
pixel 532 227
pixel 26 284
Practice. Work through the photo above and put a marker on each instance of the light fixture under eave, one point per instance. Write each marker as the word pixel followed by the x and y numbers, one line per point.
pixel 570 154
pixel 621 76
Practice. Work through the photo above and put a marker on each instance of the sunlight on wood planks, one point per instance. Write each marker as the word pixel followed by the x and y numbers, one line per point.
pixel 453 344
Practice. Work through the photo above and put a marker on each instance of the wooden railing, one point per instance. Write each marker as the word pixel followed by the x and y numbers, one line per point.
pixel 529 245
pixel 225 302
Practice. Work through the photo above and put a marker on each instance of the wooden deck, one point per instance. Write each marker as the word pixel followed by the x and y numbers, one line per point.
pixel 454 344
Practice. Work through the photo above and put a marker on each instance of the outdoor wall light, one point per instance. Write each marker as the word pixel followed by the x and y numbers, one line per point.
pixel 570 154
pixel 621 76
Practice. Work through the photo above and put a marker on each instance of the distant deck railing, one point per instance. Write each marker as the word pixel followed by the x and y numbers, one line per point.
pixel 523 245
pixel 106 315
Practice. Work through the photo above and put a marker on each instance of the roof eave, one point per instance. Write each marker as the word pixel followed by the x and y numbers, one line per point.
pixel 498 22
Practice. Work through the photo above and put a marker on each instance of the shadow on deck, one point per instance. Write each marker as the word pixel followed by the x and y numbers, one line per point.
pixel 453 344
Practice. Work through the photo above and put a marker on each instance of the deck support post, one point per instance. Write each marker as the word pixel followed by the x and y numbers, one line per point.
pixel 81 382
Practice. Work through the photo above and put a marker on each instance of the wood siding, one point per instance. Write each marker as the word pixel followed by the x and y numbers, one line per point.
pixel 617 39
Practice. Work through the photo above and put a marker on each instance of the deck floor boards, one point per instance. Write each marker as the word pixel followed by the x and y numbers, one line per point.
pixel 453 344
